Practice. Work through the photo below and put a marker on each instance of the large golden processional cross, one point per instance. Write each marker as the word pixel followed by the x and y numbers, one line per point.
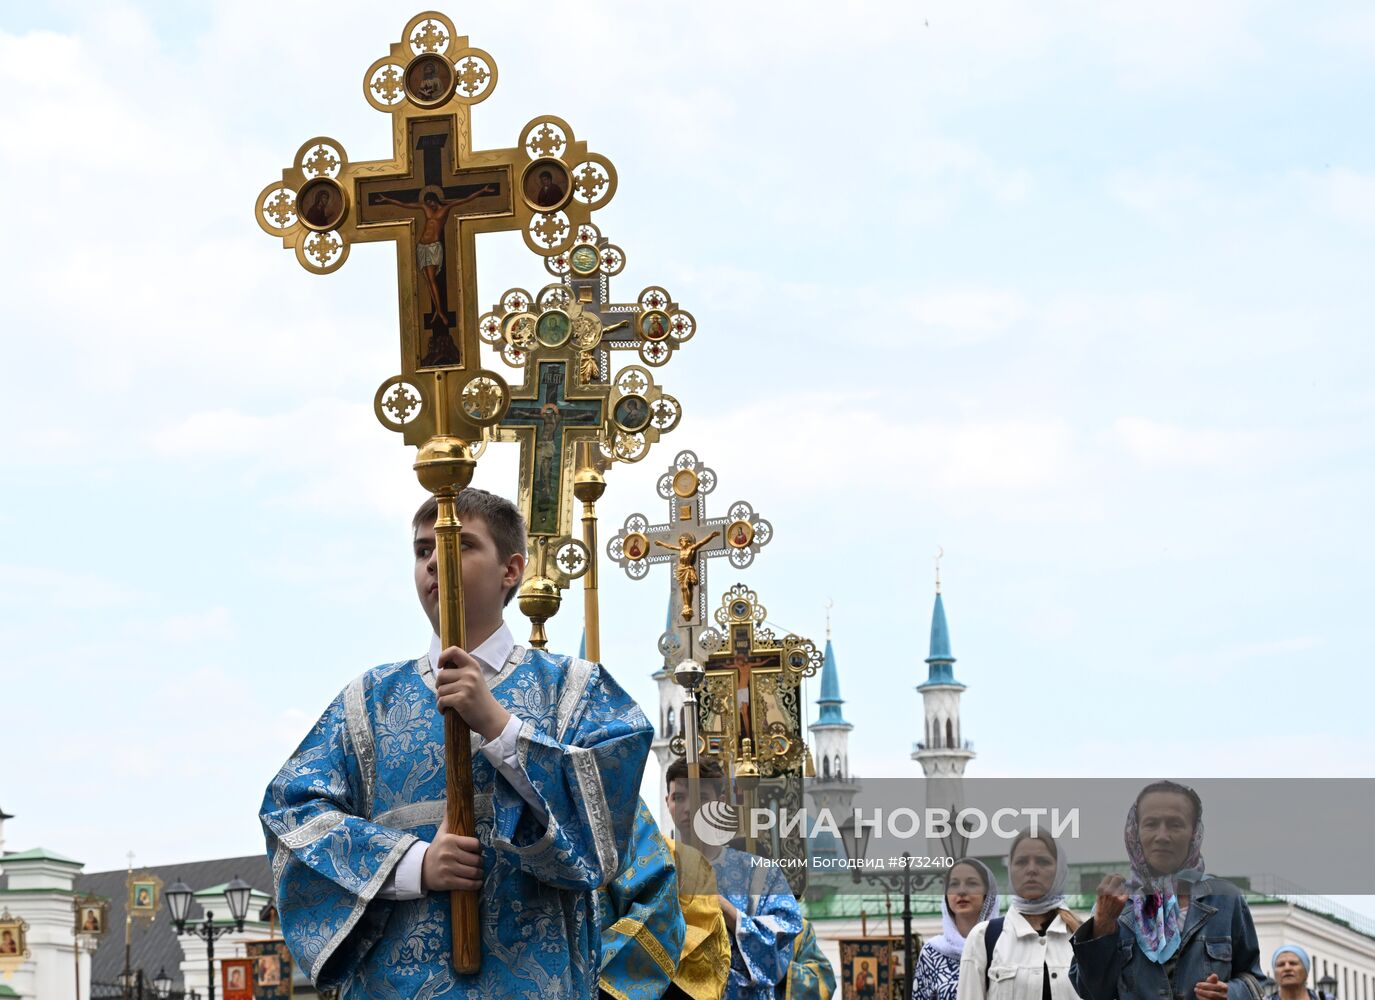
pixel 432 198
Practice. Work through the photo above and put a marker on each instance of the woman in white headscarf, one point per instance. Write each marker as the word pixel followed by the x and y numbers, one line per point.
pixel 1289 967
pixel 1026 955
pixel 971 897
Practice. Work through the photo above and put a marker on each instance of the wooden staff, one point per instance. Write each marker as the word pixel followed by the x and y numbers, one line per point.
pixel 444 466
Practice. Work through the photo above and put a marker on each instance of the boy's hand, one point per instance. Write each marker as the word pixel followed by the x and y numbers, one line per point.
pixel 461 686
pixel 451 862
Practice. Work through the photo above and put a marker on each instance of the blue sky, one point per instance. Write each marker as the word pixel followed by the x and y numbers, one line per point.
pixel 1079 291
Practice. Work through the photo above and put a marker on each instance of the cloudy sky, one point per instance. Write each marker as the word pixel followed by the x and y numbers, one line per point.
pixel 1079 291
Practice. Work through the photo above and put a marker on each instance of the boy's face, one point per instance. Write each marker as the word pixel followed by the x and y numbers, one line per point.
pixel 486 576
pixel 679 806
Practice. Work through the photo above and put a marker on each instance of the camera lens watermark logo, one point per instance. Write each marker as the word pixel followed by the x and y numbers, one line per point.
pixel 716 823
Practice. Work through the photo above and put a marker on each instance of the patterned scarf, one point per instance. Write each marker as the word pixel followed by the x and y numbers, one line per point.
pixel 950 942
pixel 1154 899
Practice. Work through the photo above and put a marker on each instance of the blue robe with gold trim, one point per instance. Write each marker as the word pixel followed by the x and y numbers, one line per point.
pixel 810 976
pixel 769 920
pixel 369 780
pixel 642 919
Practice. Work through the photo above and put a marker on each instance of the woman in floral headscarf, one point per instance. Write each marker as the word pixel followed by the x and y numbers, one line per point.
pixel 1170 929
pixel 971 897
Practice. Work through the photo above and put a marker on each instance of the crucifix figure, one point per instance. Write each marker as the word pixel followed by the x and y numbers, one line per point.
pixel 440 191
pixel 545 423
pixel 744 658
pixel 686 572
pixel 429 252
pixel 744 669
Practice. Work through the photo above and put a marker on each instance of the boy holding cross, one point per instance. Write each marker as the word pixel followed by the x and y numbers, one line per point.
pixel 354 820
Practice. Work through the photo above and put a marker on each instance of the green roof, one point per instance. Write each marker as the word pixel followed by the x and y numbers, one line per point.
pixel 7 991
pixel 39 854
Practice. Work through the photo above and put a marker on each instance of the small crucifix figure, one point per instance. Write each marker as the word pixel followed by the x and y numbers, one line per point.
pixel 686 571
pixel 744 669
pixel 743 659
pixel 654 325
pixel 546 422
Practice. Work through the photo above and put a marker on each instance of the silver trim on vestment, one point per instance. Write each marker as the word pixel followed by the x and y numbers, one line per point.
pixel 360 734
pixel 574 688
pixel 413 814
pixel 365 896
pixel 598 812
pixel 309 832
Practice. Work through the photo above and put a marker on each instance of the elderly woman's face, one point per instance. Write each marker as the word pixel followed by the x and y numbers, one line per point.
pixel 1033 869
pixel 1165 823
pixel 965 893
pixel 1289 971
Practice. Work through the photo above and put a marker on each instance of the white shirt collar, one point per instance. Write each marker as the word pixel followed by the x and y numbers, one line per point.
pixel 493 653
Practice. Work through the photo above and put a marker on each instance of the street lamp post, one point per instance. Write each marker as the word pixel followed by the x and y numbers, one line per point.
pixel 236 894
pixel 1328 984
pixel 908 880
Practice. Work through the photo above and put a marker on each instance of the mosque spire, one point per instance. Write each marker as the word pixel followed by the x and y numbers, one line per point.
pixel 940 662
pixel 830 731
pixel 943 751
pixel 830 700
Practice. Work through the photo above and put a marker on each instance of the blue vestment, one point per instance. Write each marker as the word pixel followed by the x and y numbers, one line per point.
pixel 642 920
pixel 369 780
pixel 769 920
pixel 810 976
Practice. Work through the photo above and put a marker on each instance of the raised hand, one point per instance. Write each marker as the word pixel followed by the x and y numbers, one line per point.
pixel 1112 899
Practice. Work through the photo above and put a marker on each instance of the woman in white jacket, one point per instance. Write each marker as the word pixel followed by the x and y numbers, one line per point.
pixel 1025 955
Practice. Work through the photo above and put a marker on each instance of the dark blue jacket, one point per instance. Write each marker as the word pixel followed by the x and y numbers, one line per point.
pixel 1218 937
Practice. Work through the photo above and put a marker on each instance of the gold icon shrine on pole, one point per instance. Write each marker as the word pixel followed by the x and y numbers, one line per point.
pixel 753 686
pixel 752 715
pixel 431 199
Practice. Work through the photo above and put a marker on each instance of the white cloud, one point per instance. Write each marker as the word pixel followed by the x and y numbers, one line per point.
pixel 1162 193
pixel 194 628
pixel 955 462
pixel 1344 193
pixel 962 316
pixel 1170 44
pixel 1156 445
pixel 46 587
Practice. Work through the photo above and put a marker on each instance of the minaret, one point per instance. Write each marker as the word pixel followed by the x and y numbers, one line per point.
pixel 670 717
pixel 833 788
pixel 831 742
pixel 943 751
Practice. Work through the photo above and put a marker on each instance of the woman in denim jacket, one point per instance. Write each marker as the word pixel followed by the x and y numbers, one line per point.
pixel 1185 936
